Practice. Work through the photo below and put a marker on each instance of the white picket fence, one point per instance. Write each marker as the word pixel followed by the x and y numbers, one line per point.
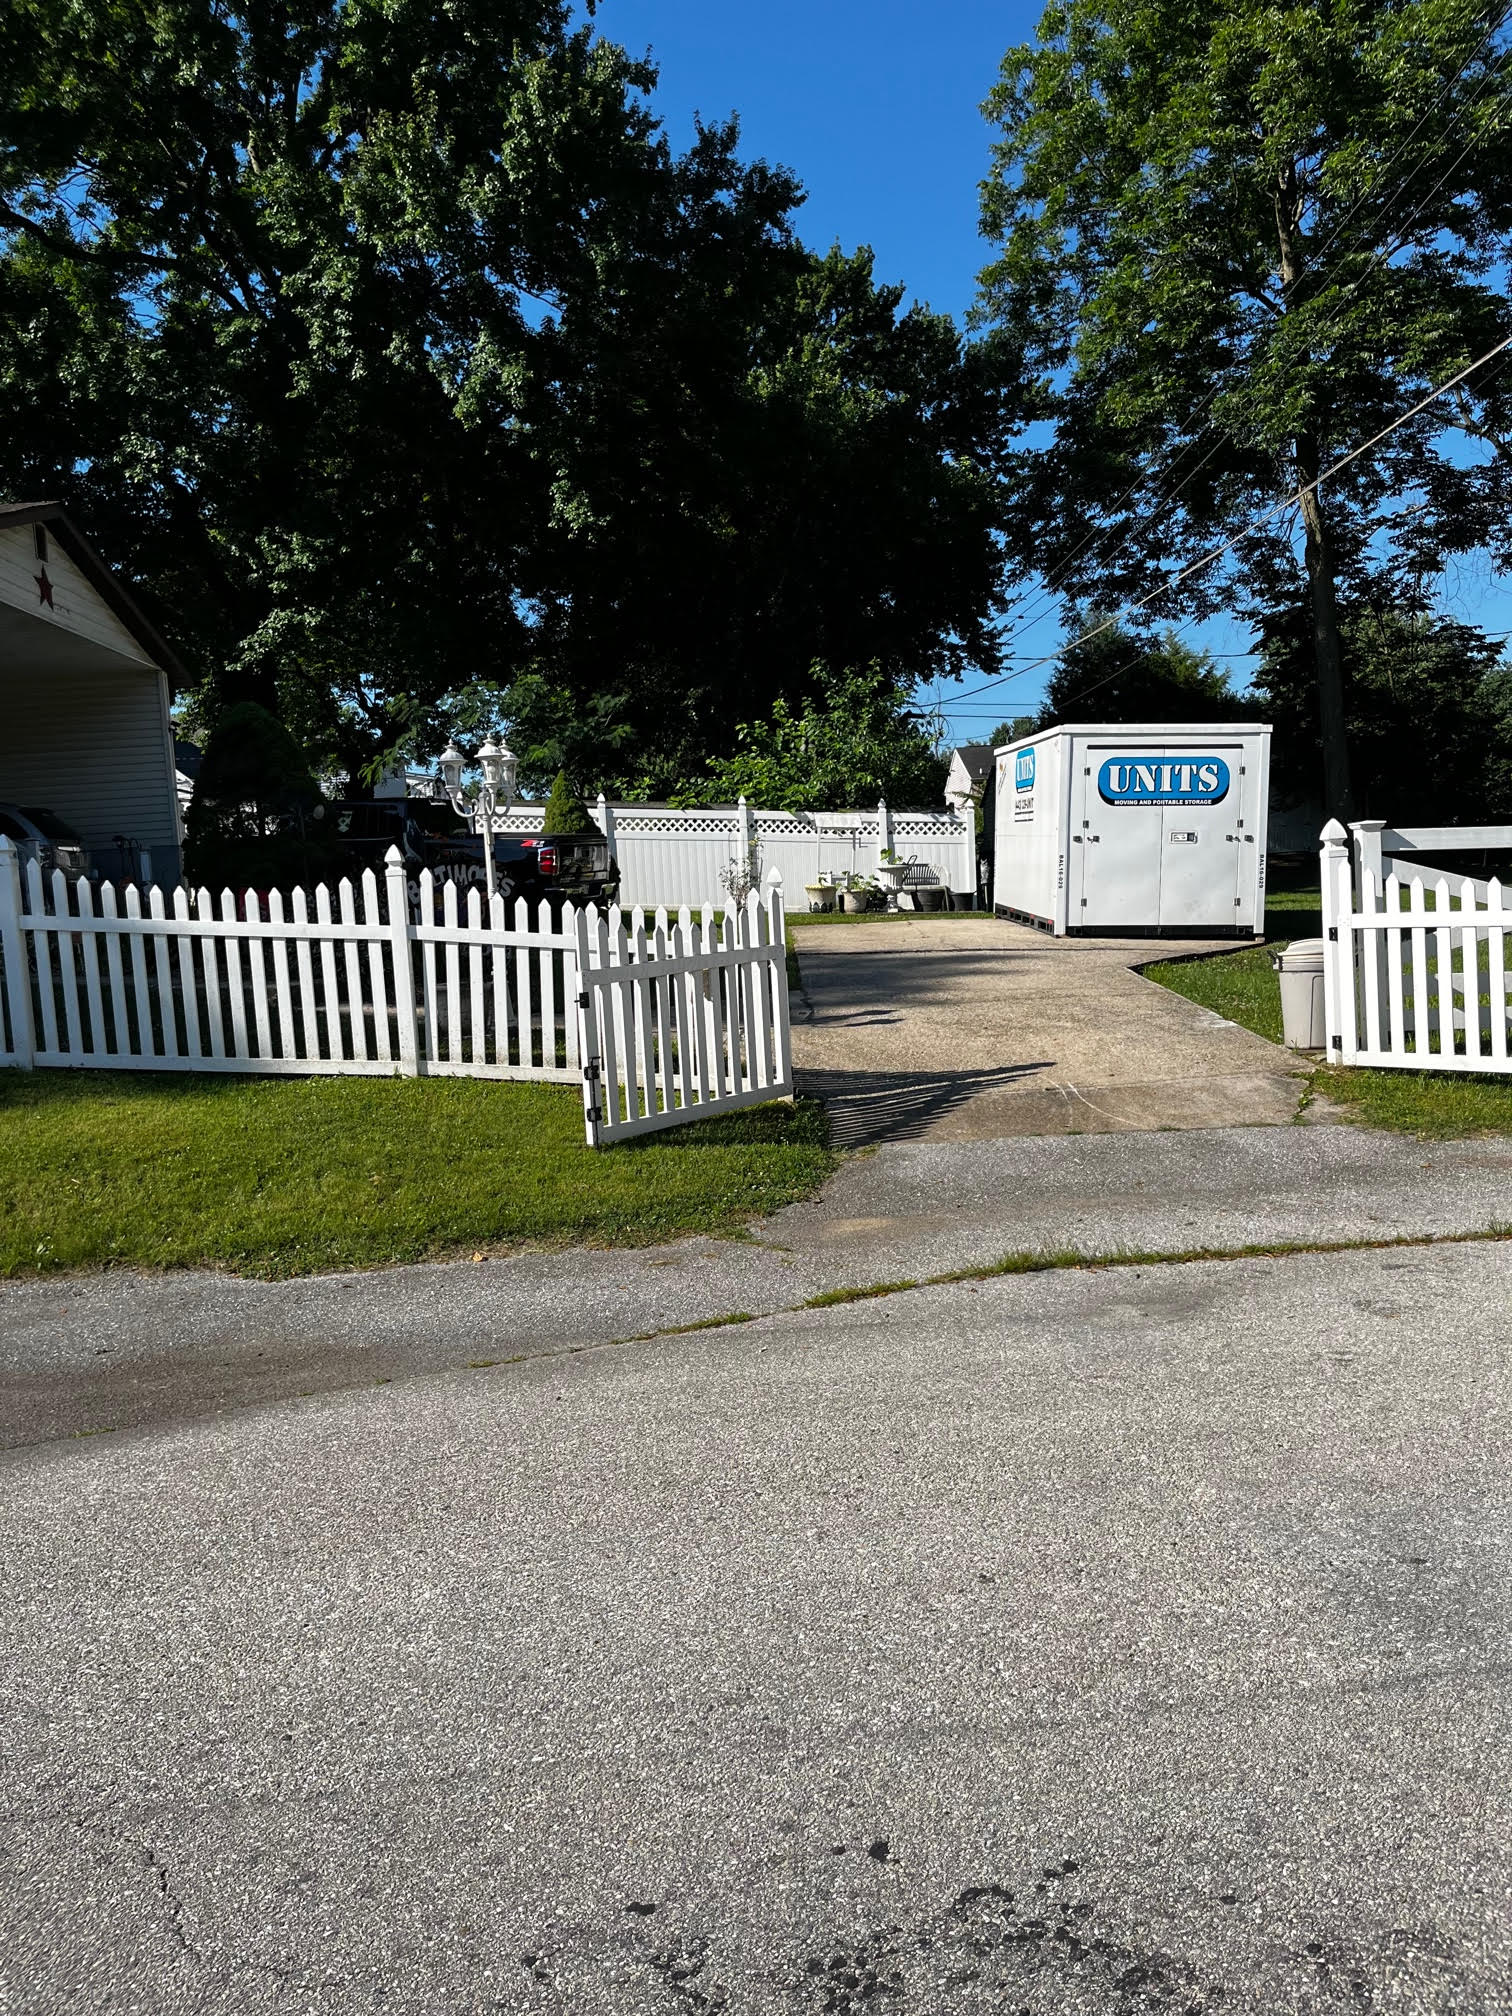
pixel 684 1016
pixel 1416 971
pixel 363 980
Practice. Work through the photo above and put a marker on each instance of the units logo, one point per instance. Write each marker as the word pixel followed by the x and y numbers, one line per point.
pixel 1023 770
pixel 1174 780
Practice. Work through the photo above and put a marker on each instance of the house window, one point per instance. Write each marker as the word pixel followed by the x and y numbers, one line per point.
pixel 39 538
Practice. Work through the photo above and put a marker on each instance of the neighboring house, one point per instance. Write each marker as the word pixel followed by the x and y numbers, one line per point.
pixel 970 775
pixel 187 757
pixel 84 697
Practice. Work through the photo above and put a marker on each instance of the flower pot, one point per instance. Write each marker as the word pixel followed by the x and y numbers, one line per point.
pixel 821 895
pixel 929 899
pixel 855 901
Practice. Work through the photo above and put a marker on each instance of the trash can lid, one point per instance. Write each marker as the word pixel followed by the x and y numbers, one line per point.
pixel 1303 955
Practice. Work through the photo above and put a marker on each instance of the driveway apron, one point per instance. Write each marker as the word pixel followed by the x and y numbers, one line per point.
pixel 971 1029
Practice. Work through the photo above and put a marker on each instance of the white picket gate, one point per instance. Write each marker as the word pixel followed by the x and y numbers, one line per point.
pixel 662 1021
pixel 685 1021
pixel 1416 972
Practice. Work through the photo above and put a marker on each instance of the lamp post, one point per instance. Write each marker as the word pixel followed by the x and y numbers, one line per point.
pixel 495 793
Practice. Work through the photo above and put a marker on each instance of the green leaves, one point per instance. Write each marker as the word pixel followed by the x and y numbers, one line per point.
pixel 852 744
pixel 394 355
pixel 1233 244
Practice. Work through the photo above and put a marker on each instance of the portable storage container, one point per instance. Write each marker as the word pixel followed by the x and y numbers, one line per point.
pixel 1134 831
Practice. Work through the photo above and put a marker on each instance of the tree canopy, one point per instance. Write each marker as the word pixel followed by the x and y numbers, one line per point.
pixel 1235 243
pixel 1428 706
pixel 851 743
pixel 393 355
pixel 1116 675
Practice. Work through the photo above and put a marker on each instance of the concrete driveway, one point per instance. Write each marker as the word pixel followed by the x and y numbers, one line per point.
pixel 1080 1644
pixel 964 1029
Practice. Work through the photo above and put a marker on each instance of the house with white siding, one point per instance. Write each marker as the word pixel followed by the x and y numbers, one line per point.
pixel 85 686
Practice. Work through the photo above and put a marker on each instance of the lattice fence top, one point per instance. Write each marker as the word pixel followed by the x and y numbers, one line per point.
pixel 630 818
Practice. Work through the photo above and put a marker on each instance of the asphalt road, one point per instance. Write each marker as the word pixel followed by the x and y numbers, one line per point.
pixel 1079 1642
pixel 91 1353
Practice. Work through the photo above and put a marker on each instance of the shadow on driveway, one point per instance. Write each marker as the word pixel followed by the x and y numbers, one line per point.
pixel 865 1107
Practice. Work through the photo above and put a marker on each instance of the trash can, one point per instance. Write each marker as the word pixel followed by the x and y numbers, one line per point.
pixel 1304 1025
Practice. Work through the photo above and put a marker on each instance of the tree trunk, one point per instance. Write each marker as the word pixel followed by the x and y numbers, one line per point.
pixel 1338 790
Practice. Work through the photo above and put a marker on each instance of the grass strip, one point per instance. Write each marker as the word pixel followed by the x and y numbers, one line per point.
pixel 276 1177
pixel 833 1297
pixel 1244 987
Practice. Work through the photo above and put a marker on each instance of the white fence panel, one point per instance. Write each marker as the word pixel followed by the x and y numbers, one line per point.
pixel 686 1023
pixel 253 983
pixel 661 1022
pixel 1416 972
pixel 669 858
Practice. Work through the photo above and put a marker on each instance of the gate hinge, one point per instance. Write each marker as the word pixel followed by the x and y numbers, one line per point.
pixel 1333 934
pixel 591 1072
pixel 1336 1042
pixel 582 1000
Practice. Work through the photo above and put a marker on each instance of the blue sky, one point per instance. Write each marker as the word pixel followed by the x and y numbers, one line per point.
pixel 875 107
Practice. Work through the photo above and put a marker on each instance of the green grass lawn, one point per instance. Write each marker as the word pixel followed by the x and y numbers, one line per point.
pixel 1244 987
pixel 281 1176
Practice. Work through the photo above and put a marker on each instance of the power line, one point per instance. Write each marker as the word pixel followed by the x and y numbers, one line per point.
pixel 1271 511
pixel 1047 593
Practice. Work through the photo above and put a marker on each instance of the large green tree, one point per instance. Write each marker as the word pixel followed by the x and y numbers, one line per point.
pixel 393 354
pixel 1428 707
pixel 1235 242
pixel 1111 674
pixel 854 741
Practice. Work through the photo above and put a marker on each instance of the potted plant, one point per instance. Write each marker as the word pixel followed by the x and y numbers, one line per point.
pixel 821 894
pixel 858 894
pixel 892 870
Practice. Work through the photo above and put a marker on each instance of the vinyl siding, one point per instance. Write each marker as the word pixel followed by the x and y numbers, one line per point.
pixel 77 608
pixel 94 748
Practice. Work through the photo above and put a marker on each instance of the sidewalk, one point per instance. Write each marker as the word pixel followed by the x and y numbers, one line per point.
pixel 92 1353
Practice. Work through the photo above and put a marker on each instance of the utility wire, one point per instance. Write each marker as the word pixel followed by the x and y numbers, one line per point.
pixel 1047 593
pixel 1216 552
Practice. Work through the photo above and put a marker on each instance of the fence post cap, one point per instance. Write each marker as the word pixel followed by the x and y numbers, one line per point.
pixel 1333 833
pixel 7 845
pixel 393 858
pixel 774 877
pixel 1367 825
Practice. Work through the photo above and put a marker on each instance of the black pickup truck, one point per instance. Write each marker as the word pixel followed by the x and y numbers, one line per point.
pixel 429 834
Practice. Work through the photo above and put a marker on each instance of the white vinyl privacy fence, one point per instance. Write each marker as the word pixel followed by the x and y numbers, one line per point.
pixel 1416 966
pixel 660 1022
pixel 669 858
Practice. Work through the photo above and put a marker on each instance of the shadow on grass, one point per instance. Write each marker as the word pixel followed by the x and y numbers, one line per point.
pixel 801 1124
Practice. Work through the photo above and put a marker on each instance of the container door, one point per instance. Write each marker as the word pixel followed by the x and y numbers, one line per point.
pixel 1119 845
pixel 1202 839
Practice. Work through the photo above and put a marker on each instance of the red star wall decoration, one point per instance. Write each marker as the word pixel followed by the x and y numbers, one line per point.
pixel 44 589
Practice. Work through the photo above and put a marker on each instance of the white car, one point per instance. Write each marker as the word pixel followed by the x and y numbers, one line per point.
pixel 43 837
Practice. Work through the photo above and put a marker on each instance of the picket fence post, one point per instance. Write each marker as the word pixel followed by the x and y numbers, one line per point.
pixel 588 1042
pixel 13 949
pixel 884 830
pixel 1338 945
pixel 782 1039
pixel 404 967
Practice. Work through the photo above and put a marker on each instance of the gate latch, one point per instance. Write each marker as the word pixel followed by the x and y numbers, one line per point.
pixel 1333 934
